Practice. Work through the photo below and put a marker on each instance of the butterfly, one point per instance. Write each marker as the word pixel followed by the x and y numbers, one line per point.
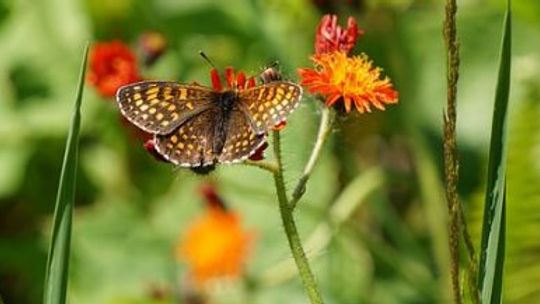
pixel 197 126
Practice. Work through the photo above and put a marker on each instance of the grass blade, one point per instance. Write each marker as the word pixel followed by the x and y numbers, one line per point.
pixel 58 258
pixel 490 274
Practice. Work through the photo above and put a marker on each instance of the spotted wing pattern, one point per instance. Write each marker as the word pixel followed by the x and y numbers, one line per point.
pixel 269 104
pixel 190 145
pixel 241 139
pixel 159 107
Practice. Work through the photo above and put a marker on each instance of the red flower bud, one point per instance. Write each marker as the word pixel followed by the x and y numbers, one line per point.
pixel 332 37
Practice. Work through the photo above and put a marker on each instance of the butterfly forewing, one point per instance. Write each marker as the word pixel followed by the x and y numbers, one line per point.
pixel 159 107
pixel 241 139
pixel 269 104
pixel 190 145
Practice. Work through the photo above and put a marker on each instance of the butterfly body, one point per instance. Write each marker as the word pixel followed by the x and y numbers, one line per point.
pixel 226 101
pixel 196 126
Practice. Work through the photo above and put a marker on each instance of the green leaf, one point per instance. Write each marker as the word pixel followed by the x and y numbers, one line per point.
pixel 58 259
pixel 522 250
pixel 494 226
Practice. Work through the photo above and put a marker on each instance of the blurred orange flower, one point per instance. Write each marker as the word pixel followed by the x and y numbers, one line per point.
pixel 350 80
pixel 112 65
pixel 216 245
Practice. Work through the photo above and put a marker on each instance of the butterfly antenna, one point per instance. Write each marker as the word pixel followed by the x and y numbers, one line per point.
pixel 203 55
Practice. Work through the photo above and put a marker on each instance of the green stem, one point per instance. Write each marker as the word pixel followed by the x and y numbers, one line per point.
pixel 341 210
pixel 325 126
pixel 308 280
pixel 268 166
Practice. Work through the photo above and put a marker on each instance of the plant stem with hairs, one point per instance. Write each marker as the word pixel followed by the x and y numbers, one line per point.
pixel 457 222
pixel 286 206
pixel 450 147
pixel 268 166
pixel 451 166
pixel 295 244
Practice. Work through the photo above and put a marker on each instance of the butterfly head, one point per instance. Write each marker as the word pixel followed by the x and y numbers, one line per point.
pixel 271 73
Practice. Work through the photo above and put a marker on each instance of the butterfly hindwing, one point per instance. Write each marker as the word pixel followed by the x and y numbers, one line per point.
pixel 191 144
pixel 269 104
pixel 241 139
pixel 159 107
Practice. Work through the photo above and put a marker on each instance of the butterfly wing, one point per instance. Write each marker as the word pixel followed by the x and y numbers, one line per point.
pixel 241 139
pixel 195 142
pixel 190 145
pixel 159 107
pixel 269 104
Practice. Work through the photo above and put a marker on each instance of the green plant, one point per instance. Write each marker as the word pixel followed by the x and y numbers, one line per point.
pixel 490 274
pixel 56 277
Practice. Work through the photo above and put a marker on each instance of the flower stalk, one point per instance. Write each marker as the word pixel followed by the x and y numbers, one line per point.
pixel 451 166
pixel 325 126
pixel 295 244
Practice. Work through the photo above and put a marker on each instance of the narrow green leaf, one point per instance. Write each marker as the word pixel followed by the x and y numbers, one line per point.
pixel 490 276
pixel 58 259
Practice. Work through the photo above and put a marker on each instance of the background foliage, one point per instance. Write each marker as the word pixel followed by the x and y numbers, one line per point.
pixel 131 210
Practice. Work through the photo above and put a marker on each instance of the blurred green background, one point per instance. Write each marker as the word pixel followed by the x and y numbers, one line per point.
pixel 373 217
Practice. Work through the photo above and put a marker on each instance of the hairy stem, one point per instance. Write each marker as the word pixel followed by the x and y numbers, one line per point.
pixel 268 166
pixel 308 280
pixel 325 126
pixel 473 263
pixel 450 145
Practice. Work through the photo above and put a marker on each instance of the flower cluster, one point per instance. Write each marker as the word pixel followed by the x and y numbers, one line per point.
pixel 341 79
pixel 215 244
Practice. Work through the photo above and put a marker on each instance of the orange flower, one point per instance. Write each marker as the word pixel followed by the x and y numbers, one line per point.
pixel 112 65
pixel 349 80
pixel 216 245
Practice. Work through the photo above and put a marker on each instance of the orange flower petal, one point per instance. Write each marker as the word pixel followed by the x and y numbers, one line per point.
pixel 216 80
